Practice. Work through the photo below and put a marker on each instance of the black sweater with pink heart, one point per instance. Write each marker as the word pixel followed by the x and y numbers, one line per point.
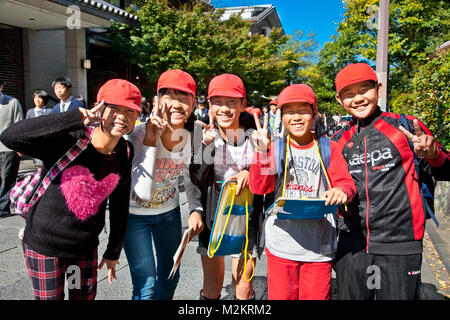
pixel 70 215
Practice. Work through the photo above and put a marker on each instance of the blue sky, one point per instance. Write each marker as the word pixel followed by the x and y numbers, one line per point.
pixel 320 16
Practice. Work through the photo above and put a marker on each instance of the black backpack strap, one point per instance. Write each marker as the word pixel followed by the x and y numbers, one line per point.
pixel 425 189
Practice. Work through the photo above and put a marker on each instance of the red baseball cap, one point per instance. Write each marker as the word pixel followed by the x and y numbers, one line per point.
pixel 275 102
pixel 252 111
pixel 298 93
pixel 177 79
pixel 120 92
pixel 354 73
pixel 226 85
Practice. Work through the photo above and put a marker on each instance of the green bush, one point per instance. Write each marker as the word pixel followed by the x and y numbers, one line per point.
pixel 429 100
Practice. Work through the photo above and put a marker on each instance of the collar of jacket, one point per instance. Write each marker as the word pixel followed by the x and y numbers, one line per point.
pixel 362 123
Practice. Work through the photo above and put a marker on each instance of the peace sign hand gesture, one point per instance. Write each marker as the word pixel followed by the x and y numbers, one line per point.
pixel 90 115
pixel 260 136
pixel 424 145
pixel 209 131
pixel 155 126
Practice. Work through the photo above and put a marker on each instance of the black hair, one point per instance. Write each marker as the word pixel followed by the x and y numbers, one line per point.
pixel 65 81
pixel 189 124
pixel 43 95
pixel 165 90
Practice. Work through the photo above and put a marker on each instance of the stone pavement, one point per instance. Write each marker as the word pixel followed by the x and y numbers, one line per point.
pixel 15 283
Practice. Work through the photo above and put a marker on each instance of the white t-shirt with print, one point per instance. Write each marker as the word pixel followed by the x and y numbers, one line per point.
pixel 154 177
pixel 302 240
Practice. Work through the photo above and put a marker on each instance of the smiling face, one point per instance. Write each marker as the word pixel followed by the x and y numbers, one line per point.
pixel 179 106
pixel 298 118
pixel 360 99
pixel 38 101
pixel 226 111
pixel 118 121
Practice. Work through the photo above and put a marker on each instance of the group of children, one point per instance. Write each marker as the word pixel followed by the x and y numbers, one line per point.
pixel 370 168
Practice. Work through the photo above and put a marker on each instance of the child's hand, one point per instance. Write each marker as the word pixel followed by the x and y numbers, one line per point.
pixel 335 196
pixel 111 266
pixel 155 126
pixel 424 145
pixel 209 132
pixel 242 181
pixel 195 223
pixel 89 116
pixel 260 137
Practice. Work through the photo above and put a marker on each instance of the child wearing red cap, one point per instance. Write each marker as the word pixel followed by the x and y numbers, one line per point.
pixel 380 236
pixel 62 228
pixel 154 206
pixel 231 152
pixel 299 252
pixel 274 120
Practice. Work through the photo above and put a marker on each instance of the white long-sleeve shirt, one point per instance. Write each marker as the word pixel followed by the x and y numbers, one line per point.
pixel 154 177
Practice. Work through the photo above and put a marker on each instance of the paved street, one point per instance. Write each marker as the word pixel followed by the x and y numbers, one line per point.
pixel 15 283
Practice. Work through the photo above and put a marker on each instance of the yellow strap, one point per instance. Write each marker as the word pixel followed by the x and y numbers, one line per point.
pixel 246 244
pixel 325 171
pixel 323 166
pixel 285 165
pixel 212 251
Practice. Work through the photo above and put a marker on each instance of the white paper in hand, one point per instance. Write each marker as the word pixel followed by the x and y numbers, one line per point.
pixel 177 257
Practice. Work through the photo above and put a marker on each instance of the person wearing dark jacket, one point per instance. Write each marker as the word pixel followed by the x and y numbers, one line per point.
pixel 380 236
pixel 62 87
pixel 231 152
pixel 62 228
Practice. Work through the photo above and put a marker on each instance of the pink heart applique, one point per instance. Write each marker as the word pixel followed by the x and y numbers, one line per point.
pixel 83 193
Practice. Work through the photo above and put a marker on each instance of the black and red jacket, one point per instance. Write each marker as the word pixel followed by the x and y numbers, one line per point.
pixel 387 216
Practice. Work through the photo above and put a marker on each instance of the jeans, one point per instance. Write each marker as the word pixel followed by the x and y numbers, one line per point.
pixel 9 166
pixel 149 277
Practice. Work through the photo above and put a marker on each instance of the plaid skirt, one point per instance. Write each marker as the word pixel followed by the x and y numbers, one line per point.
pixel 48 275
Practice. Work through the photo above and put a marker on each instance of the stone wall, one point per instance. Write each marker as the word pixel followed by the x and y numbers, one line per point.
pixel 442 201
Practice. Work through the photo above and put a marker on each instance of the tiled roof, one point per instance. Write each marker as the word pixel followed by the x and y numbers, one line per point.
pixel 103 9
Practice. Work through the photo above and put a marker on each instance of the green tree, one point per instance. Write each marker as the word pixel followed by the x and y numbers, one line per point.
pixel 202 44
pixel 430 98
pixel 416 29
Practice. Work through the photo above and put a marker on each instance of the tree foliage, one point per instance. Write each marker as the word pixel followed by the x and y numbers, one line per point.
pixel 203 45
pixel 430 98
pixel 416 29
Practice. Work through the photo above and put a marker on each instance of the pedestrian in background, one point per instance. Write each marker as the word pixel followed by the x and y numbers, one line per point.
pixel 10 113
pixel 275 120
pixel 62 87
pixel 40 101
pixel 202 111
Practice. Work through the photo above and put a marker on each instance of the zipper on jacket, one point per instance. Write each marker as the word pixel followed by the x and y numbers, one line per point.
pixel 367 194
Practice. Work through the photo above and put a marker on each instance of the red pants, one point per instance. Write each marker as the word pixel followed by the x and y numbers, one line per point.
pixel 296 280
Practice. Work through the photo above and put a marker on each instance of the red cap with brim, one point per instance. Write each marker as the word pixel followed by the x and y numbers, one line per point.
pixel 122 93
pixel 354 73
pixel 298 93
pixel 253 111
pixel 177 79
pixel 226 85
